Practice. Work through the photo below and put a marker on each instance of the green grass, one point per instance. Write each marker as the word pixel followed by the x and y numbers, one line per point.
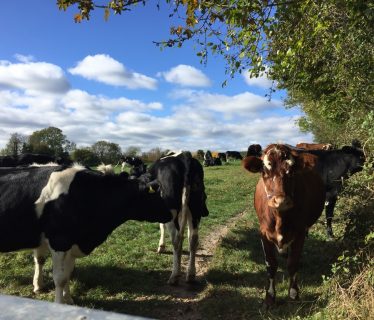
pixel 126 275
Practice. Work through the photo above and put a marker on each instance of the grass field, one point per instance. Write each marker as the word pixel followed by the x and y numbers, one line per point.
pixel 126 275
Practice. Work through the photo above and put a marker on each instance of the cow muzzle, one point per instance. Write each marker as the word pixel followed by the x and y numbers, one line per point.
pixel 281 203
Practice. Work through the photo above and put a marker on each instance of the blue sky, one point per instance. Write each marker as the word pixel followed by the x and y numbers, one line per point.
pixel 102 80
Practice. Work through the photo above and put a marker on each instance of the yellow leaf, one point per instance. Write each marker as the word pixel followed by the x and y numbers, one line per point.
pixel 78 18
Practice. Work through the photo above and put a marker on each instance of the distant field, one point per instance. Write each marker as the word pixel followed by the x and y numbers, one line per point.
pixel 126 274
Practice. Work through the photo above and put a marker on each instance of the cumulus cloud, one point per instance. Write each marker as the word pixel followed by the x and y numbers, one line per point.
pixel 186 76
pixel 190 119
pixel 33 77
pixel 245 103
pixel 105 69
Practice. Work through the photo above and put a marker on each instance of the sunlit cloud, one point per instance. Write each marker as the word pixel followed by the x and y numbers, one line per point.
pixel 105 69
pixel 186 76
pixel 33 77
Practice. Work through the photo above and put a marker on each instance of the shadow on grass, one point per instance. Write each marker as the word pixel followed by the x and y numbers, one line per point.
pixel 318 256
pixel 132 291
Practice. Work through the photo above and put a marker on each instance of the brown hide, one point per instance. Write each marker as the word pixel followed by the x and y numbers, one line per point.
pixel 305 191
pixel 289 198
pixel 308 202
pixel 314 146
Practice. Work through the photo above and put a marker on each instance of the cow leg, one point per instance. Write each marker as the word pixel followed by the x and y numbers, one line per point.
pixel 177 252
pixel 329 211
pixel 161 243
pixel 293 261
pixel 271 269
pixel 193 239
pixel 63 265
pixel 40 254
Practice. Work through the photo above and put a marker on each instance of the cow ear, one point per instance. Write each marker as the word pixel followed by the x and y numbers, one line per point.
pixel 253 164
pixel 306 160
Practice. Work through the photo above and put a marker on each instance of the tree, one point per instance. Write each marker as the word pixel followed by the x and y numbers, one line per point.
pixel 107 152
pixel 15 145
pixel 85 156
pixel 132 151
pixel 50 141
pixel 152 155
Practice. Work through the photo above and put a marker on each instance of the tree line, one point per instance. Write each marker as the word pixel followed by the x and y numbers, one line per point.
pixel 52 141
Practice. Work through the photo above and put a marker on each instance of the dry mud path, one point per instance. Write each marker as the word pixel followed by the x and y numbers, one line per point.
pixel 185 297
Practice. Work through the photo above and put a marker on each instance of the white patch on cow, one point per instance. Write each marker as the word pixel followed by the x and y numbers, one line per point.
pixel 290 161
pixel 279 237
pixel 267 163
pixel 271 290
pixel 63 265
pixel 49 164
pixel 284 247
pixel 293 293
pixel 76 252
pixel 106 169
pixel 161 243
pixel 58 183
pixel 173 154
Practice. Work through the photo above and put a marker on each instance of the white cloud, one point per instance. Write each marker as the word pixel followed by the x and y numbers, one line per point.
pixel 186 76
pixel 190 119
pixel 261 81
pixel 105 69
pixel 23 58
pixel 245 103
pixel 33 77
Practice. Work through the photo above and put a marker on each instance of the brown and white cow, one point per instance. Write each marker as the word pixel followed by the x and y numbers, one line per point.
pixel 289 198
pixel 314 146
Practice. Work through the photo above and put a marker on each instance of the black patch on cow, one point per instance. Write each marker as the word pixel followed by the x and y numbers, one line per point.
pixel 19 189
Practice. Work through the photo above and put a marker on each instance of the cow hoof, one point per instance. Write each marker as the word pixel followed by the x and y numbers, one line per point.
pixel 269 300
pixel 330 235
pixel 161 249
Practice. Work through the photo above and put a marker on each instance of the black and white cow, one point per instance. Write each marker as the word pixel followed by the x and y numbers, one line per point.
pixel 70 211
pixel 181 180
pixel 208 159
pixel 334 166
pixel 138 167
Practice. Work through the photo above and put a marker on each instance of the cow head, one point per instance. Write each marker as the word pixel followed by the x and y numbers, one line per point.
pixel 278 166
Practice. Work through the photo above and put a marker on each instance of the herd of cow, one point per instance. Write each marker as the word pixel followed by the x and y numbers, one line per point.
pixel 69 210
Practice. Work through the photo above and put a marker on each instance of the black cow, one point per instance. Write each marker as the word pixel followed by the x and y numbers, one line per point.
pixel 222 156
pixel 233 155
pixel 70 211
pixel 254 150
pixel 8 161
pixel 334 166
pixel 181 180
pixel 26 159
